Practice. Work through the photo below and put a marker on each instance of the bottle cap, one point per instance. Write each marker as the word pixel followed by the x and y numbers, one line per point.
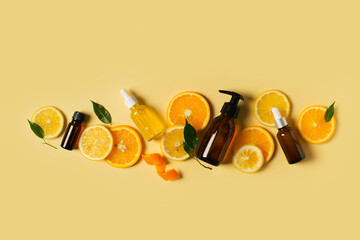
pixel 280 121
pixel 78 116
pixel 231 108
pixel 129 100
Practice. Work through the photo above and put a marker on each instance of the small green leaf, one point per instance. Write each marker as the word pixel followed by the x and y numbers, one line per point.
pixel 101 112
pixel 191 141
pixel 36 129
pixel 188 149
pixel 329 113
pixel 190 136
pixel 39 132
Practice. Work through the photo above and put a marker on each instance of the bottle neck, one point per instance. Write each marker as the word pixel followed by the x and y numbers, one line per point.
pixel 280 123
pixel 283 128
pixel 224 115
pixel 136 105
pixel 76 121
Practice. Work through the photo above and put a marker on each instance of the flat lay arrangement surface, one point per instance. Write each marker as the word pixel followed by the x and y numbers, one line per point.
pixel 150 119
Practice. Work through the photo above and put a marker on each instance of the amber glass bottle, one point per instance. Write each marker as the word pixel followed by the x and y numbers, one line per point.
pixel 73 131
pixel 287 139
pixel 220 132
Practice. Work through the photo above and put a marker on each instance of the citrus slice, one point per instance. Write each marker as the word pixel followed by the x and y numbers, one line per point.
pixel 50 119
pixel 96 142
pixel 189 105
pixel 248 159
pixel 266 101
pixel 259 137
pixel 172 144
pixel 312 125
pixel 127 147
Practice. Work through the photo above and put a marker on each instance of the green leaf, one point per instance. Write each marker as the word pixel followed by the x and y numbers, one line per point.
pixel 101 112
pixel 36 129
pixel 188 149
pixel 329 113
pixel 190 136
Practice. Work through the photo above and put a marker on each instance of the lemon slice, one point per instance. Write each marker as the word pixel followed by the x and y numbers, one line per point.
pixel 172 144
pixel 248 159
pixel 96 142
pixel 266 101
pixel 259 137
pixel 50 119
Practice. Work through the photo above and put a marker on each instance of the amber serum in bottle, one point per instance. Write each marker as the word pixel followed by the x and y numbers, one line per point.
pixel 287 139
pixel 73 131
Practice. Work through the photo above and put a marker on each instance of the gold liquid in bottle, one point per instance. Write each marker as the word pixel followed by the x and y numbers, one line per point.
pixel 146 120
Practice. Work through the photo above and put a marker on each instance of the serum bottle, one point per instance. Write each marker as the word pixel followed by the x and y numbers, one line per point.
pixel 287 139
pixel 146 120
pixel 219 134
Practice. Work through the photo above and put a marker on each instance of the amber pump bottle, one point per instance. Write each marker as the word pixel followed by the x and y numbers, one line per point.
pixel 73 131
pixel 220 132
pixel 287 139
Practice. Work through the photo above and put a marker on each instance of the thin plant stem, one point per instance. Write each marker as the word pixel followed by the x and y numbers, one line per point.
pixel 201 163
pixel 48 144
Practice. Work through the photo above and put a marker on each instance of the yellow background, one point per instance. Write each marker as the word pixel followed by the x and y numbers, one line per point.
pixel 66 53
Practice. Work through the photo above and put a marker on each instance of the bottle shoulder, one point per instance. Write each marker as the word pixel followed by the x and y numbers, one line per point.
pixel 284 130
pixel 138 107
pixel 223 121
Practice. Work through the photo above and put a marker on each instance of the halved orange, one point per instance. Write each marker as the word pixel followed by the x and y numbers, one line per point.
pixel 312 125
pixel 259 137
pixel 266 101
pixel 189 105
pixel 127 147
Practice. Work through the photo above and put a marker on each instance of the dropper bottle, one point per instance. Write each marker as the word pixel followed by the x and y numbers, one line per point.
pixel 220 132
pixel 287 139
pixel 146 120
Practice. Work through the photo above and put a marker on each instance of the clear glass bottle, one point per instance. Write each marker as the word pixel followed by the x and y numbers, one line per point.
pixel 146 120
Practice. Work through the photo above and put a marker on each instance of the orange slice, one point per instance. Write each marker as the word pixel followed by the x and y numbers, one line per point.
pixel 189 105
pixel 266 101
pixel 127 147
pixel 160 165
pixel 50 119
pixel 96 142
pixel 259 137
pixel 248 159
pixel 312 125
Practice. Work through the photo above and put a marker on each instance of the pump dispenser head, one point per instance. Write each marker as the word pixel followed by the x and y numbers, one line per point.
pixel 129 100
pixel 280 121
pixel 231 108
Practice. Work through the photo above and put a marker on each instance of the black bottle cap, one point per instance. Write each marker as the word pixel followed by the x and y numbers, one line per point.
pixel 78 116
pixel 231 108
